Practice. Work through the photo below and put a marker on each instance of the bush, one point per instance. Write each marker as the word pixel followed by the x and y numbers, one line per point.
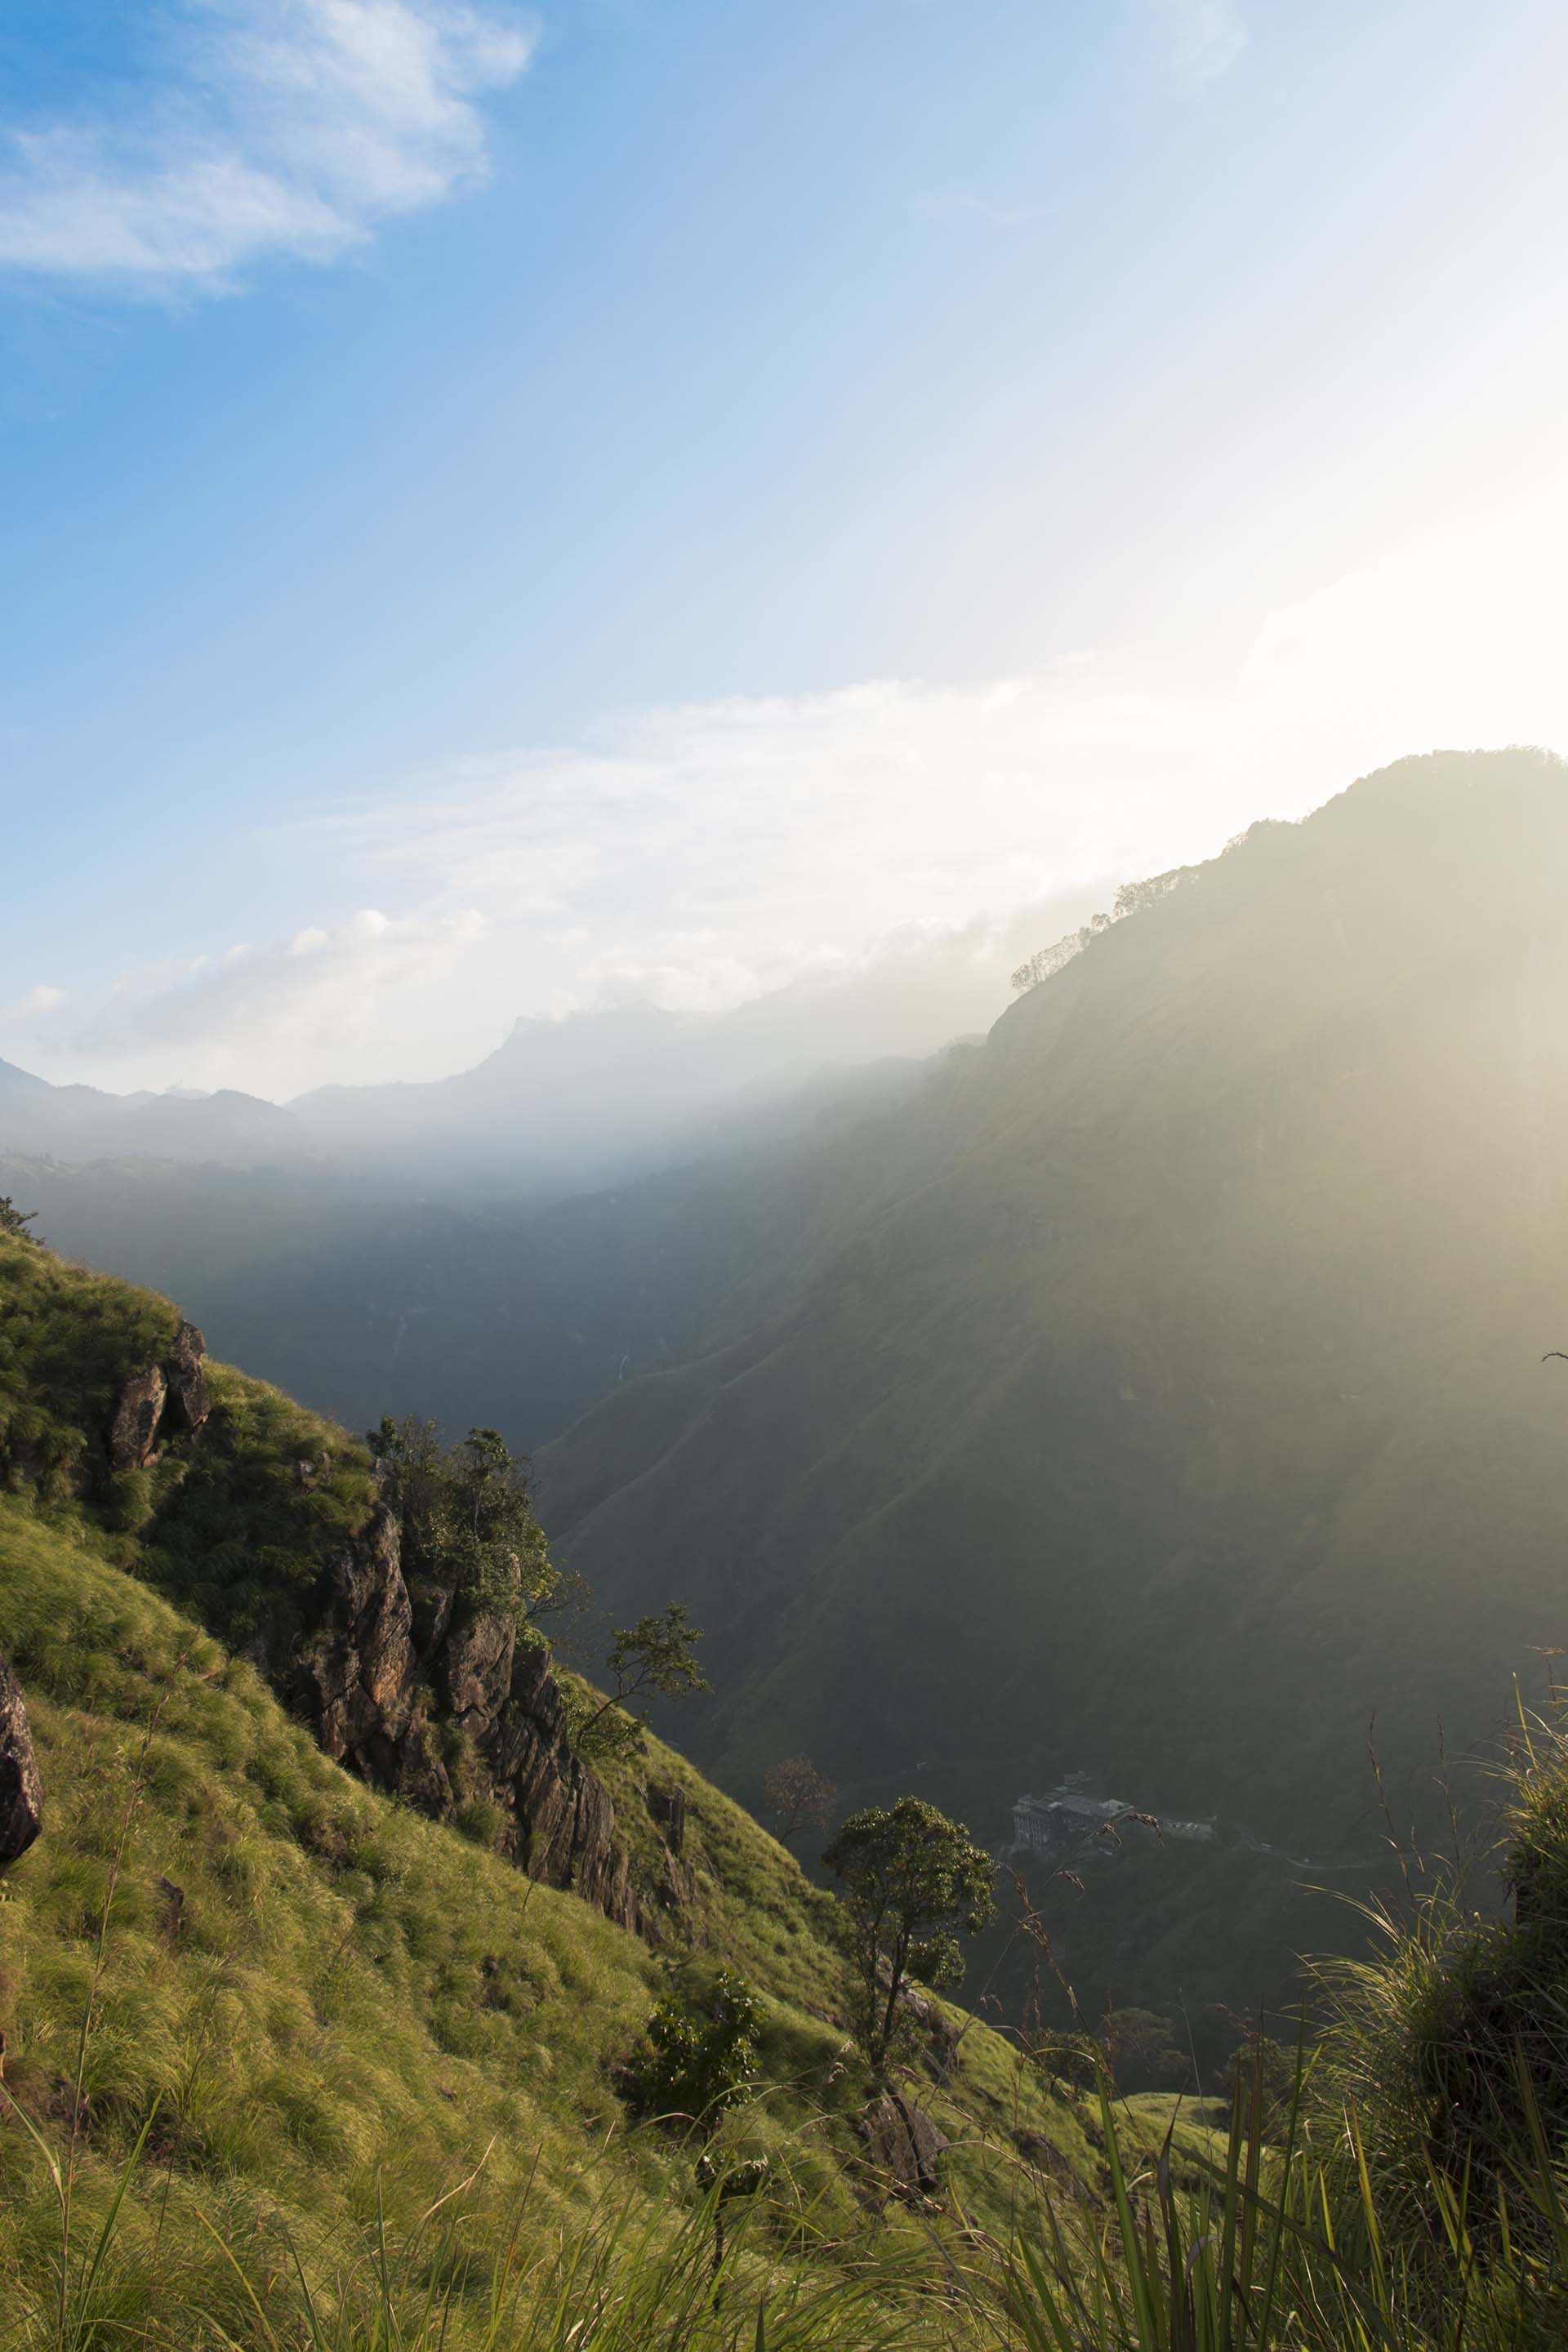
pixel 482 1820
pixel 702 2053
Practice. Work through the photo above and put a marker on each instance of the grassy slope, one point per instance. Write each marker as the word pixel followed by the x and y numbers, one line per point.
pixel 352 2000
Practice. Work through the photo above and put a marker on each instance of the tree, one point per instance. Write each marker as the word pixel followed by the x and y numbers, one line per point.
pixel 14 1222
pixel 467 1517
pixel 658 1653
pixel 912 1883
pixel 1140 2051
pixel 798 1797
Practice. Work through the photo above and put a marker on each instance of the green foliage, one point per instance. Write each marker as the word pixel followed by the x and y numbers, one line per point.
pixel 68 1339
pixel 912 1881
pixel 796 1796
pixel 14 1222
pixel 1141 2052
pixel 658 1653
pixel 1144 1392
pixel 702 2053
pixel 250 1517
pixel 467 1518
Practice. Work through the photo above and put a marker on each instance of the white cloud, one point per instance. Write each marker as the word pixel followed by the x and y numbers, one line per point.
pixel 41 999
pixel 1202 39
pixel 705 854
pixel 283 127
pixel 272 1020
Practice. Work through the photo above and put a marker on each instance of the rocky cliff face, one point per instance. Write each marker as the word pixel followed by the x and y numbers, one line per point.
pixel 21 1790
pixel 168 1398
pixel 496 1728
pixel 423 1693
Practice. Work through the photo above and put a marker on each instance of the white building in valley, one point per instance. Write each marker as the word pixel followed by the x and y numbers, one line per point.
pixel 1054 1824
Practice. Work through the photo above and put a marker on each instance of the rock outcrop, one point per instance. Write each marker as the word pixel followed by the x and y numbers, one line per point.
pixel 21 1790
pixel 363 1669
pixel 169 1399
pixel 133 1424
pixel 189 1400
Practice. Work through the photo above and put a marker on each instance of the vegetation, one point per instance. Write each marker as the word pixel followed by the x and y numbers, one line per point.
pixel 260 2022
pixel 658 1653
pixel 288 2066
pixel 1140 2051
pixel 701 2055
pixel 467 1518
pixel 1132 1395
pixel 1140 1396
pixel 913 1881
pixel 798 1797
pixel 1130 899
pixel 14 1222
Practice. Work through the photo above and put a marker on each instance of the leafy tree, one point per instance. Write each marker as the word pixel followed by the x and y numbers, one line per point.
pixel 467 1517
pixel 14 1222
pixel 1140 2051
pixel 658 1653
pixel 912 1883
pixel 1069 2060
pixel 1267 2064
pixel 700 2054
pixel 1130 899
pixel 798 1797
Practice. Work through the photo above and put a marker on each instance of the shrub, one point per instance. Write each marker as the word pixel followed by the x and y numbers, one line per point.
pixel 702 2053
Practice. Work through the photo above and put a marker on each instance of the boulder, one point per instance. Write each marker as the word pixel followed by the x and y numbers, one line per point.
pixel 21 1790
pixel 133 1424
pixel 903 2143
pixel 940 2034
pixel 189 1402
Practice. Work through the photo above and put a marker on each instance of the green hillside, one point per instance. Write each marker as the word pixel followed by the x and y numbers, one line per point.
pixel 322 2006
pixel 1159 1396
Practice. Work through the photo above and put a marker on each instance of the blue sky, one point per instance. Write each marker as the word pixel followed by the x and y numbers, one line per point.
pixel 509 510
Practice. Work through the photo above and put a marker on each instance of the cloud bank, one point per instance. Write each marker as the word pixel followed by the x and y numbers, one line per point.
pixel 254 1017
pixel 705 855
pixel 280 127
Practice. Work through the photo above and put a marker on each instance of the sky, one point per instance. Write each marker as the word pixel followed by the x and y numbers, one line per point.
pixel 511 511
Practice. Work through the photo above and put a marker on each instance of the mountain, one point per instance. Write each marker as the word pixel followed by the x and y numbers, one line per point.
pixel 319 2000
pixel 1159 1395
pixel 78 1123
pixel 600 1097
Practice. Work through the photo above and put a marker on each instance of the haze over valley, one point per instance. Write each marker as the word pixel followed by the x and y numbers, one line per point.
pixel 783 1176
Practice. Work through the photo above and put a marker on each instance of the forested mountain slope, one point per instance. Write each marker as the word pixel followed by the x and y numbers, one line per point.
pixel 1161 1394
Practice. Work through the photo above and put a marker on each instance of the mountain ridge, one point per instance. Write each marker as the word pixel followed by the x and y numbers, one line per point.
pixel 1146 1421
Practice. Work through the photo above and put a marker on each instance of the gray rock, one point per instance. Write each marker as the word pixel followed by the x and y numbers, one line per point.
pixel 476 1668
pixel 133 1424
pixel 903 2143
pixel 666 1806
pixel 358 1673
pixel 189 1402
pixel 360 1662
pixel 21 1790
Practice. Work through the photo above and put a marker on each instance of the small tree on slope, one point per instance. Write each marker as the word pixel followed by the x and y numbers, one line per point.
pixel 912 1883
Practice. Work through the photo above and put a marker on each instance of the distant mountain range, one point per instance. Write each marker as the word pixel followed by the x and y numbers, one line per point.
pixel 566 1104
pixel 1151 1389
pixel 77 1123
